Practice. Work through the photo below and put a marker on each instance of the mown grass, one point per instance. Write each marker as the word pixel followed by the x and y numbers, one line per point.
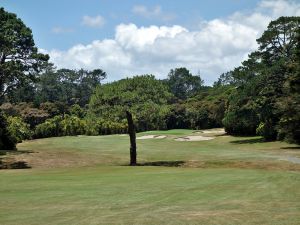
pixel 85 180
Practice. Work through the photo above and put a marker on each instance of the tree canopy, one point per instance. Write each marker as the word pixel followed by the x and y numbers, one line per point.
pixel 182 83
pixel 257 105
pixel 146 97
pixel 19 57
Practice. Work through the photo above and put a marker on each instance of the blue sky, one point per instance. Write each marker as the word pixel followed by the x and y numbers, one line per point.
pixel 44 16
pixel 133 37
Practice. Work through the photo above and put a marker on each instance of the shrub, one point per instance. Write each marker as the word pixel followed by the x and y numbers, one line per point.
pixel 266 130
pixel 7 141
pixel 18 128
pixel 72 125
pixel 50 128
pixel 100 126
pixel 242 122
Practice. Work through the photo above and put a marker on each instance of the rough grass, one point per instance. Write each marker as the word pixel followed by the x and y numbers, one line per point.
pixel 85 180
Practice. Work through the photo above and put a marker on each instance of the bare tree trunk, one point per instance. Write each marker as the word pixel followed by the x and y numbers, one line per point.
pixel 131 132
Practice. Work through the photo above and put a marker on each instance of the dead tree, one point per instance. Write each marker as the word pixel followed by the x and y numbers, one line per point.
pixel 131 132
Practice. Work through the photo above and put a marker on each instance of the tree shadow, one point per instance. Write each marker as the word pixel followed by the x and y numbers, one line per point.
pixel 163 163
pixel 14 165
pixel 291 148
pixel 16 152
pixel 249 141
pixel 7 161
pixel 220 135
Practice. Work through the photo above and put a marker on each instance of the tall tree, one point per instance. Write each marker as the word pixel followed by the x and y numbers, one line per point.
pixel 183 84
pixel 289 104
pixel 277 47
pixel 19 61
pixel 280 39
pixel 260 81
pixel 68 86
pixel 19 57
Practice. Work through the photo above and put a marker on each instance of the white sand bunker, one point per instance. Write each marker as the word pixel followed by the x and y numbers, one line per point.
pixel 152 137
pixel 215 131
pixel 194 138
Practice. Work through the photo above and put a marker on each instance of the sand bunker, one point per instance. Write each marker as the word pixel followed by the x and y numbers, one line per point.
pixel 219 131
pixel 152 137
pixel 194 138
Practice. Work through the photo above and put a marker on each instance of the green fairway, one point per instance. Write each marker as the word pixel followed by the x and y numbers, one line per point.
pixel 85 180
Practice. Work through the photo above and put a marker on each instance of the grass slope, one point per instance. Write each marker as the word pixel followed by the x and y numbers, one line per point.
pixel 85 180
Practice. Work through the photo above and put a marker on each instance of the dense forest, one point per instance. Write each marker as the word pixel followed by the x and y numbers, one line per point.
pixel 260 97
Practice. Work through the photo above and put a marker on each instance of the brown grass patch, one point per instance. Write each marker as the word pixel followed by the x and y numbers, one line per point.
pixel 12 163
pixel 53 159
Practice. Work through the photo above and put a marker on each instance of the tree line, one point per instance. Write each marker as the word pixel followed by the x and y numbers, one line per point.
pixel 260 97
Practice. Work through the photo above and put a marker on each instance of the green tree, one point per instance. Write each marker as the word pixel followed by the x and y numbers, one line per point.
pixel 19 62
pixel 260 81
pixel 146 97
pixel 241 117
pixel 289 104
pixel 183 84
pixel 68 86
pixel 277 47
pixel 19 58
pixel 279 40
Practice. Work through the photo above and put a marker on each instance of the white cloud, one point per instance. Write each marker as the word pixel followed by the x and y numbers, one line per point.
pixel 95 22
pixel 217 46
pixel 153 13
pixel 62 30
pixel 144 11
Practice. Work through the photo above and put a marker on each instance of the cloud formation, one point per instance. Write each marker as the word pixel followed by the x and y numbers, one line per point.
pixel 95 22
pixel 152 13
pixel 62 30
pixel 217 46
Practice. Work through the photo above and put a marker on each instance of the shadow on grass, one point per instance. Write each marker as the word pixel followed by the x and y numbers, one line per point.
pixel 163 163
pixel 7 161
pixel 249 141
pixel 291 148
pixel 13 165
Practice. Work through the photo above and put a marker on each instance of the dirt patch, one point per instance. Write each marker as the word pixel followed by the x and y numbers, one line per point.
pixel 194 138
pixel 152 137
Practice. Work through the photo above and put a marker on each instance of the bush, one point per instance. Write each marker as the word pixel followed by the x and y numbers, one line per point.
pixel 72 125
pixel 100 126
pixel 50 128
pixel 266 130
pixel 76 110
pixel 18 128
pixel 58 126
pixel 7 141
pixel 242 122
